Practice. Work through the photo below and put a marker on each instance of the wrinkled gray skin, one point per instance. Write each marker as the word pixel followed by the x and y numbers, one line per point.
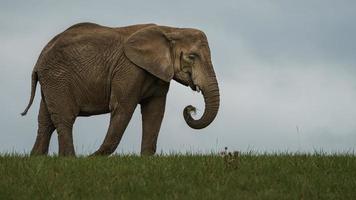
pixel 90 69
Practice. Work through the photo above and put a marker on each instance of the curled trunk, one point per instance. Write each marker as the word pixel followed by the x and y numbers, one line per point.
pixel 212 101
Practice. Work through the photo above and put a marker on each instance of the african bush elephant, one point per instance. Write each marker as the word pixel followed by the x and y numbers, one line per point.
pixel 91 69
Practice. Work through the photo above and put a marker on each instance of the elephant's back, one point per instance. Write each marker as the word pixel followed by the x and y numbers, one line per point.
pixel 84 25
pixel 85 35
pixel 85 40
pixel 79 46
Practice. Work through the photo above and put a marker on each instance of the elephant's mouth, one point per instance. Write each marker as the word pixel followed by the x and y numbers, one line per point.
pixel 194 87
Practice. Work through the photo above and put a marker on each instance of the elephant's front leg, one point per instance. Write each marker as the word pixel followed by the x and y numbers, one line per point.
pixel 152 114
pixel 120 117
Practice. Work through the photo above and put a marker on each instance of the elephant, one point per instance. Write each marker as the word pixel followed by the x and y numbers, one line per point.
pixel 90 69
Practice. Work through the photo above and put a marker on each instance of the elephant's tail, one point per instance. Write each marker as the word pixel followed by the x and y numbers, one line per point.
pixel 33 91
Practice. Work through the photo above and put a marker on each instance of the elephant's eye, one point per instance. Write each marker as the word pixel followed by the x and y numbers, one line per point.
pixel 192 56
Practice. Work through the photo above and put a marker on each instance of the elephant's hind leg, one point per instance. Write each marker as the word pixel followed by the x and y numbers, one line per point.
pixel 63 112
pixel 63 121
pixel 64 126
pixel 65 139
pixel 44 132
pixel 59 92
pixel 119 120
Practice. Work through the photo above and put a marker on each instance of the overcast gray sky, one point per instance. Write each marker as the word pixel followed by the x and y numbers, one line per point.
pixel 282 66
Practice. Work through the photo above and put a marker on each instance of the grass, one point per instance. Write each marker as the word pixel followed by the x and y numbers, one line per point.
pixel 247 176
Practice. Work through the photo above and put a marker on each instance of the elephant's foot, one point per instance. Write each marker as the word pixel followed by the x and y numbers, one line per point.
pixel 36 152
pixel 67 153
pixel 66 147
pixel 102 152
pixel 148 152
pixel 40 148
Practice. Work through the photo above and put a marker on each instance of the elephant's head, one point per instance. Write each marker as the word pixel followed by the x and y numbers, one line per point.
pixel 181 54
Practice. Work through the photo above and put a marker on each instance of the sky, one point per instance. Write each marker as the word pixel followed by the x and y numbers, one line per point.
pixel 286 71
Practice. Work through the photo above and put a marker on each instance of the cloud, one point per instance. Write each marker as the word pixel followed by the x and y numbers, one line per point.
pixel 280 65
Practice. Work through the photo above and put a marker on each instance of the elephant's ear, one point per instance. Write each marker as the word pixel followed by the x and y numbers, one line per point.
pixel 149 48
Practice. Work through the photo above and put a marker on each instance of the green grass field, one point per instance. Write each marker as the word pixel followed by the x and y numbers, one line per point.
pixel 246 176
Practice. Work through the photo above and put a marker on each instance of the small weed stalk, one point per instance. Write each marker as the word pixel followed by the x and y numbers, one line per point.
pixel 231 159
